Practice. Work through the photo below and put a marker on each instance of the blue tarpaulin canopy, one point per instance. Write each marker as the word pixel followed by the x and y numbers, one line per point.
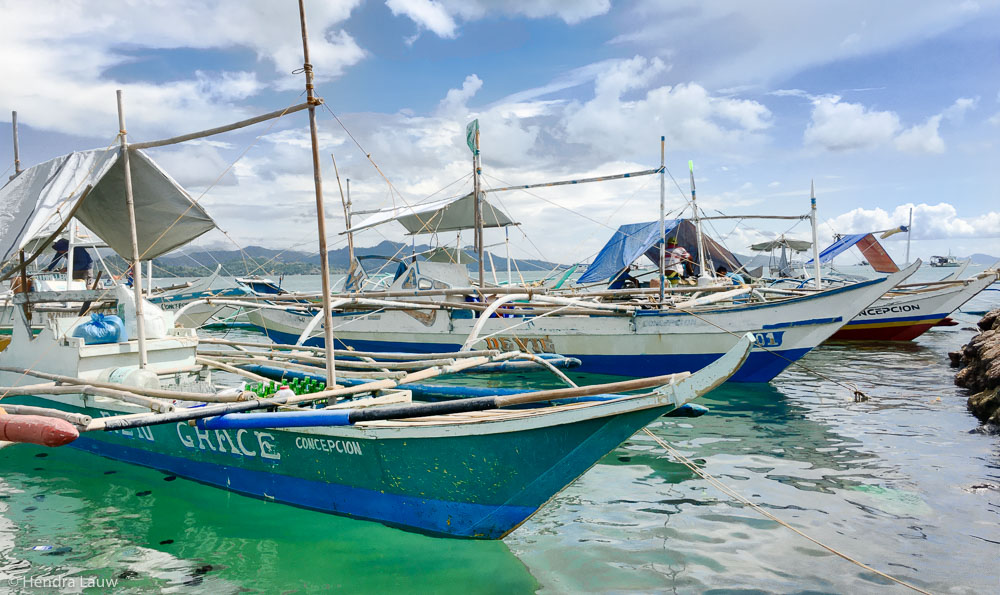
pixel 836 248
pixel 627 244
pixel 635 239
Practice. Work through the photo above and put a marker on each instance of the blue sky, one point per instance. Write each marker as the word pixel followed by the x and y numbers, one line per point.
pixel 887 106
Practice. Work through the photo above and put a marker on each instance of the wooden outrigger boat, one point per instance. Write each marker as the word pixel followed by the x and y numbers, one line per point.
pixel 434 307
pixel 907 311
pixel 472 467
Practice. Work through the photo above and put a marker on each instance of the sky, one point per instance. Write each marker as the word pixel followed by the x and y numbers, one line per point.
pixel 885 106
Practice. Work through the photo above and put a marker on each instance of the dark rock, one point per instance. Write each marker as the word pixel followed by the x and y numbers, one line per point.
pixel 986 406
pixel 990 320
pixel 979 361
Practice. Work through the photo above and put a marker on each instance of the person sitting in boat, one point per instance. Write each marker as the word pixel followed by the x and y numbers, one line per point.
pixel 82 262
pixel 678 261
pixel 624 280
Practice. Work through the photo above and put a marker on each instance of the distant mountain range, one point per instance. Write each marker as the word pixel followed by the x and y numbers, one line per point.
pixel 983 259
pixel 265 261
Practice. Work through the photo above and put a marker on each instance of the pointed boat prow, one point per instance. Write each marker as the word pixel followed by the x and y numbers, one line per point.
pixel 711 376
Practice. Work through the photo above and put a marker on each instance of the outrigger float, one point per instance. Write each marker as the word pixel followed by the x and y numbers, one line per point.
pixel 473 467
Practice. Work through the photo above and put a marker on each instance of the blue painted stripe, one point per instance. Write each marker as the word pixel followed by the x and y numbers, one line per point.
pixel 809 322
pixel 761 366
pixel 285 419
pixel 458 519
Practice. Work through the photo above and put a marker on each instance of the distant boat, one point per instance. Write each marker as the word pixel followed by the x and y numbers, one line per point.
pixel 945 261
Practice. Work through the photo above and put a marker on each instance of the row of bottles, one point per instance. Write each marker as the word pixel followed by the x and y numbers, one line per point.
pixel 300 386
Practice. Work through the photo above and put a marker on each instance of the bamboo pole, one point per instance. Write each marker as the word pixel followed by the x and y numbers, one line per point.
pixel 478 210
pixel 227 128
pixel 140 323
pixel 530 291
pixel 349 352
pixel 815 232
pixel 17 154
pixel 192 413
pixel 909 232
pixel 94 389
pixel 697 226
pixel 320 213
pixel 77 419
pixel 663 229
pixel 359 365
pixel 148 392
pixel 633 174
pixel 26 306
pixel 346 202
pixel 231 369
pixel 244 360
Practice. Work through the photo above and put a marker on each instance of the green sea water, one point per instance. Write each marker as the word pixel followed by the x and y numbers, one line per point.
pixel 903 482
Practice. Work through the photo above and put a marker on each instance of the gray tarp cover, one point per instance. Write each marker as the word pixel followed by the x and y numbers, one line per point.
pixel 448 214
pixel 36 202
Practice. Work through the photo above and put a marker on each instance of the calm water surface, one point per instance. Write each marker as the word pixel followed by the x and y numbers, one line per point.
pixel 902 482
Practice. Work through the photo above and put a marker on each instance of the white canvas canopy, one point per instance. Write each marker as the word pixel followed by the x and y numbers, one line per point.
pixel 447 214
pixel 37 202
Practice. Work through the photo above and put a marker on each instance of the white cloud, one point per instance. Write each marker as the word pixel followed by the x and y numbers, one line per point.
pixel 956 111
pixel 454 102
pixel 687 114
pixel 441 17
pixel 922 138
pixel 426 13
pixel 841 126
pixel 930 222
pixel 770 40
pixel 68 49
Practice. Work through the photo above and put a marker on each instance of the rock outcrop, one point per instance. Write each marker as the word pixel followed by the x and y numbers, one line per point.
pixel 979 361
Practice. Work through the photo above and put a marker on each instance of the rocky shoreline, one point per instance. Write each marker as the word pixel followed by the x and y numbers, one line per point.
pixel 979 361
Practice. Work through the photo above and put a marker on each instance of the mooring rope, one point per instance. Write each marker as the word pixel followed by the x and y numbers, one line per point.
pixel 732 493
pixel 859 395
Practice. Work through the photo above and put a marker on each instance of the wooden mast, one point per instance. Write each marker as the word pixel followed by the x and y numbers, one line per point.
pixel 812 217
pixel 320 213
pixel 476 170
pixel 17 157
pixel 346 201
pixel 697 226
pixel 140 323
pixel 663 229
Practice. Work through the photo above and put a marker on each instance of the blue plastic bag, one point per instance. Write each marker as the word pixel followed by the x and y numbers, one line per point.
pixel 101 329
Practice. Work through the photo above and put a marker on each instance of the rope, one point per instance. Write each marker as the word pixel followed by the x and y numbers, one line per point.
pixel 859 395
pixel 732 493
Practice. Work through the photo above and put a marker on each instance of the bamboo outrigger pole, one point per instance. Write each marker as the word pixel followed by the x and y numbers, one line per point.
pixel 320 213
pixel 140 323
